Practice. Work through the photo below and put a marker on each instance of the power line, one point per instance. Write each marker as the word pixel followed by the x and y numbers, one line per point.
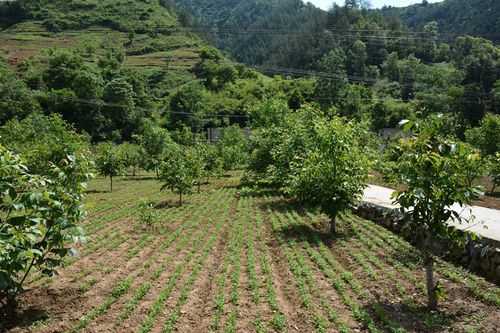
pixel 352 33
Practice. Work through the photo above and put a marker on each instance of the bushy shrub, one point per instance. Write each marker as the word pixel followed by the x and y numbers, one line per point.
pixel 39 216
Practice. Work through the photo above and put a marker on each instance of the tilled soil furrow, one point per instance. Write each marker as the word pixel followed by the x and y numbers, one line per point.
pixel 108 291
pixel 151 307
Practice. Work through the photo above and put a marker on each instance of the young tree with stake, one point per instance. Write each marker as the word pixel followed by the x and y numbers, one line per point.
pixel 431 169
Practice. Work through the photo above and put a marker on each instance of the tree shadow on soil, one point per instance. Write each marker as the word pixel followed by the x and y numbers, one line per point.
pixel 96 191
pixel 137 178
pixel 36 305
pixel 408 258
pixel 309 231
pixel 168 204
pixel 12 318
pixel 312 235
pixel 494 194
pixel 411 318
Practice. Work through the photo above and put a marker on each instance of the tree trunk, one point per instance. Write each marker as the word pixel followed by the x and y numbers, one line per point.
pixel 333 225
pixel 180 198
pixel 431 284
pixel 493 189
pixel 199 186
pixel 157 173
pixel 111 184
pixel 134 171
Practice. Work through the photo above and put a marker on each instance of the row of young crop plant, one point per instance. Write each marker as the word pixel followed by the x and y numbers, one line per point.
pixel 191 226
pixel 145 287
pixel 350 290
pixel 171 321
pixel 278 319
pixel 392 270
pixel 96 206
pixel 147 241
pixel 254 283
pixel 105 234
pixel 201 245
pixel 382 238
pixel 322 315
pixel 235 255
pixel 221 280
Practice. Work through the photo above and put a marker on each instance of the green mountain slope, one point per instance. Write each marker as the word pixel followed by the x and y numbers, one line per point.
pixel 258 16
pixel 142 28
pixel 454 16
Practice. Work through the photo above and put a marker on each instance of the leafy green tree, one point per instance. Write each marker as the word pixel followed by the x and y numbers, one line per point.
pixel 39 217
pixel 178 173
pixel 391 67
pixel 108 161
pixel 389 112
pixel 154 141
pixel 197 160
pixel 329 87
pixel 495 172
pixel 120 108
pixel 431 169
pixel 268 112
pixel 486 137
pixel 131 156
pixel 334 171
pixel 214 165
pixel 16 100
pixel 357 58
pixel 187 106
pixel 409 68
pixel 43 141
pixel 233 147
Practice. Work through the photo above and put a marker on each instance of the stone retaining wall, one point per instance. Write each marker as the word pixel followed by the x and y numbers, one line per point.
pixel 480 255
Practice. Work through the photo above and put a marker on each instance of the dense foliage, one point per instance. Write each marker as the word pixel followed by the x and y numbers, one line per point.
pixel 39 216
pixel 453 16
pixel 316 158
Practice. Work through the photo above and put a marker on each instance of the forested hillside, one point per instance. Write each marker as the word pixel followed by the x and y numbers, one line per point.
pixel 454 16
pixel 110 66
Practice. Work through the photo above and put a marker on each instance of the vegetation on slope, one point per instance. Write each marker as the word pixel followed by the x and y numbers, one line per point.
pixel 453 16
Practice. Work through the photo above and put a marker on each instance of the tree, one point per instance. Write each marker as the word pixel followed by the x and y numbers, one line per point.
pixel 391 67
pixel 154 141
pixel 214 165
pixel 334 171
pixel 187 106
pixel 43 141
pixel 329 87
pixel 130 155
pixel 108 161
pixel 16 100
pixel 178 173
pixel 486 137
pixel 431 169
pixel 233 147
pixel 39 217
pixel 197 157
pixel 120 108
pixel 495 172
pixel 356 59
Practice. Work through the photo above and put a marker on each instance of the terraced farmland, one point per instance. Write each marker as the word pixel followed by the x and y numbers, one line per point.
pixel 226 262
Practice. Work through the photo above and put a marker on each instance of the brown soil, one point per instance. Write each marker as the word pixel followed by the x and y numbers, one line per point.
pixel 58 306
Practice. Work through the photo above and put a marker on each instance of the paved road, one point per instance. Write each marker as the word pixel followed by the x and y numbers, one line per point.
pixel 482 221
